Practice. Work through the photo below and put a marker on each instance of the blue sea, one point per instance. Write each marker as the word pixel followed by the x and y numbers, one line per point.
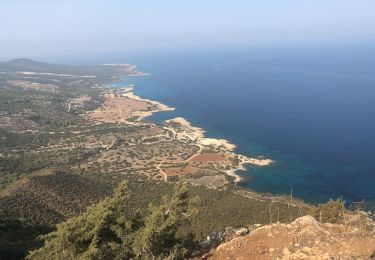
pixel 309 108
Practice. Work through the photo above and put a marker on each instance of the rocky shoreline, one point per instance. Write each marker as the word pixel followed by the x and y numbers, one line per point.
pixel 183 130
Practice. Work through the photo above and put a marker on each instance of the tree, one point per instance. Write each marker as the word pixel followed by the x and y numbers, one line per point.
pixel 160 238
pixel 108 231
pixel 102 232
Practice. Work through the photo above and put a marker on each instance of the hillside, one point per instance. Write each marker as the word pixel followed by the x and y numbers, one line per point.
pixel 51 197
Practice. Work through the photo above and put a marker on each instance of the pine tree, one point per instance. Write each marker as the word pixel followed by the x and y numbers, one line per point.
pixel 102 232
pixel 108 231
pixel 159 238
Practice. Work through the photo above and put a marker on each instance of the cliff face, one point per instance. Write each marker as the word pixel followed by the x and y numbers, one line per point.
pixel 305 238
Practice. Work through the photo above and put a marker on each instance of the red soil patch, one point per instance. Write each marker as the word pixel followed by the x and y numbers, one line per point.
pixel 208 157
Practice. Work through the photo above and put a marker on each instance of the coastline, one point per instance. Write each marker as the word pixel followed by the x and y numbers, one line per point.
pixel 197 135
pixel 184 131
pixel 159 107
pixel 252 174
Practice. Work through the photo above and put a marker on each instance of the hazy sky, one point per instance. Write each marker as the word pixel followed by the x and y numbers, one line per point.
pixel 37 28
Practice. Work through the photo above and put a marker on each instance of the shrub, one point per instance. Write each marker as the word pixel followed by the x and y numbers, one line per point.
pixel 332 211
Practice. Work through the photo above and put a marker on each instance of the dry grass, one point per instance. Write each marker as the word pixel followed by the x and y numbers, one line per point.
pixel 118 108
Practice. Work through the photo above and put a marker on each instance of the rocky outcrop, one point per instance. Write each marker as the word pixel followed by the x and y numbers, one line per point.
pixel 305 238
pixel 223 235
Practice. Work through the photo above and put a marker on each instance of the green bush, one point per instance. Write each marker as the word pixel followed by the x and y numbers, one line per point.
pixel 332 211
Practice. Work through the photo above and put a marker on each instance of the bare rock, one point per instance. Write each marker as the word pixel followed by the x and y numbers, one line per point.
pixel 304 238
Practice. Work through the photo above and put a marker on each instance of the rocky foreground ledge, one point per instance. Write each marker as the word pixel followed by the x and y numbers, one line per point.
pixel 305 238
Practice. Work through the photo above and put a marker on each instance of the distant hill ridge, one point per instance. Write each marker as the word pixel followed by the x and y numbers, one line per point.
pixel 24 61
pixel 29 65
pixel 24 64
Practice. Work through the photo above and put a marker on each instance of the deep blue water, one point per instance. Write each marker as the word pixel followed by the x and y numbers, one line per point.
pixel 310 109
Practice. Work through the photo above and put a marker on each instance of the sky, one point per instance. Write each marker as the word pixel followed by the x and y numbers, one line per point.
pixel 45 28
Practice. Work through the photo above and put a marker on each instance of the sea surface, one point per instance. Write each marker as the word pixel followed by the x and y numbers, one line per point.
pixel 310 108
